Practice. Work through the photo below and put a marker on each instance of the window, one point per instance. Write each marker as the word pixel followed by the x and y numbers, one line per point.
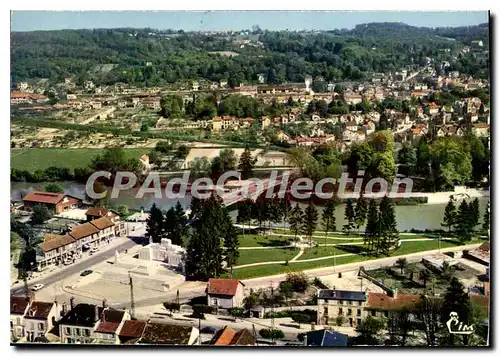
pixel 358 321
pixel 360 302
pixel 215 301
pixel 349 311
pixel 41 326
pixel 349 302
pixel 77 331
pixel 40 334
pixel 69 340
pixel 386 313
pixel 358 312
pixel 67 331
pixel 340 311
pixel 341 302
pixel 18 321
pixel 11 324
pixel 325 310
pixel 374 313
pixel 86 332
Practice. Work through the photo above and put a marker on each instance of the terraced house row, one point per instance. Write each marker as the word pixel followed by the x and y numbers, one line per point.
pixel 56 249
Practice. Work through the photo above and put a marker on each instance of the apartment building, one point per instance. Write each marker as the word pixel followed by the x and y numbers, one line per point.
pixel 77 326
pixel 341 307
pixel 39 320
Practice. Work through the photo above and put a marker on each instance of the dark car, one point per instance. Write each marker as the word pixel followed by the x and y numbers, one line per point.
pixel 86 272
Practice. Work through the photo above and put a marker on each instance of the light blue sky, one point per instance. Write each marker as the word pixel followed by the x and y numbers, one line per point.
pixel 233 20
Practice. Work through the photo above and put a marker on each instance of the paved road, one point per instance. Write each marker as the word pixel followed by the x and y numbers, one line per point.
pixel 67 271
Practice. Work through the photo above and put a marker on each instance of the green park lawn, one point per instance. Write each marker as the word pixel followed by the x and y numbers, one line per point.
pixel 266 270
pixel 266 255
pixel 32 159
pixel 262 241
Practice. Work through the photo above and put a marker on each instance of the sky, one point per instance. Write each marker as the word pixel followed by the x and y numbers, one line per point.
pixel 234 20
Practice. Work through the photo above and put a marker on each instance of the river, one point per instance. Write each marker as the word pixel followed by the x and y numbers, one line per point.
pixel 421 217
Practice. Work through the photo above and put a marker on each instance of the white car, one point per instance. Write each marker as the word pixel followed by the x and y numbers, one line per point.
pixel 37 287
pixel 68 262
pixel 94 250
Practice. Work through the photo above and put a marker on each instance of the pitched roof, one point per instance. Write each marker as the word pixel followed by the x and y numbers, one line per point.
pixel 57 242
pixel 243 337
pixel 382 301
pixel 102 223
pixel 334 294
pixel 39 310
pixel 132 328
pixel 95 211
pixel 110 320
pixel 82 315
pixel 326 338
pixel 18 305
pixel 43 197
pixel 166 334
pixel 223 286
pixel 223 336
pixel 83 230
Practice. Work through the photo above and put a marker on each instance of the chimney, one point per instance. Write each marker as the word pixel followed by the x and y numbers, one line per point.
pixel 64 309
pixel 104 303
pixel 72 302
pixel 96 313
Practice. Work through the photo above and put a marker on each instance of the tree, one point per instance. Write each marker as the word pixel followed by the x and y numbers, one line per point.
pixel 286 208
pixel 450 214
pixel 39 215
pixel 53 188
pixel 247 163
pixel 404 324
pixel 368 329
pixel 456 300
pixel 486 218
pixel 296 219
pixel 251 300
pixel 361 211
pixel 474 213
pixel 310 221
pixel 154 225
pixel 401 263
pixel 387 225
pixel 122 210
pixel 274 334
pixel 301 318
pixel 350 217
pixel 175 224
pixel 424 276
pixel 372 230
pixel 15 244
pixel 244 211
pixel 328 218
pixel 298 281
pixel 427 312
pixel 236 312
pixel 451 160
pixel 171 106
pixel 463 226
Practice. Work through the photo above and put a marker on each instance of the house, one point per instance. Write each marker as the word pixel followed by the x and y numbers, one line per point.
pixel 55 249
pixel 265 122
pixel 228 337
pixel 282 136
pixel 56 202
pixel 481 129
pixel 152 103
pixel 225 293
pixel 165 334
pixel 325 338
pixel 476 44
pixel 105 331
pixel 352 126
pixel 353 99
pixel 18 308
pixel 94 213
pixel 381 305
pixel 131 331
pixel 85 234
pixel 77 326
pixel 216 124
pixel 39 319
pixel 71 97
pixel 341 307
pixel 449 130
pixel 106 229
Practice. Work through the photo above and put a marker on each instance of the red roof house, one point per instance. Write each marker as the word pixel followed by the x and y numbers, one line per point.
pixel 225 293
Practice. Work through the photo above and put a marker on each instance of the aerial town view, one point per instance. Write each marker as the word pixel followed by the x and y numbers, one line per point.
pixel 277 179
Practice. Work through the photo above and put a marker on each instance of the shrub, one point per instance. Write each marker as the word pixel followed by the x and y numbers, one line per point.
pixel 271 334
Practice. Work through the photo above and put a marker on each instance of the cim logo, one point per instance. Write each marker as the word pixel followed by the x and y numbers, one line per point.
pixel 457 327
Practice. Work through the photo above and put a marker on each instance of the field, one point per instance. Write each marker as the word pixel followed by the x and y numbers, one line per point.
pixel 262 241
pixel 264 255
pixel 32 159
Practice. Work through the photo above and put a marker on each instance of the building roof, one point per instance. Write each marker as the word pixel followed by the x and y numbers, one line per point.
pixel 82 315
pixel 334 294
pixel 43 197
pixel 52 244
pixel 39 310
pixel 102 223
pixel 243 337
pixel 18 305
pixel 382 301
pixel 83 230
pixel 110 320
pixel 132 328
pixel 166 334
pixel 95 211
pixel 326 338
pixel 228 337
pixel 223 286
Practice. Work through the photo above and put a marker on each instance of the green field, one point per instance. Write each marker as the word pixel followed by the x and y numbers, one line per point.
pixel 321 251
pixel 262 241
pixel 32 159
pixel 266 255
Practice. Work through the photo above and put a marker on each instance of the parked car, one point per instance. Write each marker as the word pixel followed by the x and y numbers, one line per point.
pixel 68 261
pixel 86 272
pixel 93 250
pixel 37 287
